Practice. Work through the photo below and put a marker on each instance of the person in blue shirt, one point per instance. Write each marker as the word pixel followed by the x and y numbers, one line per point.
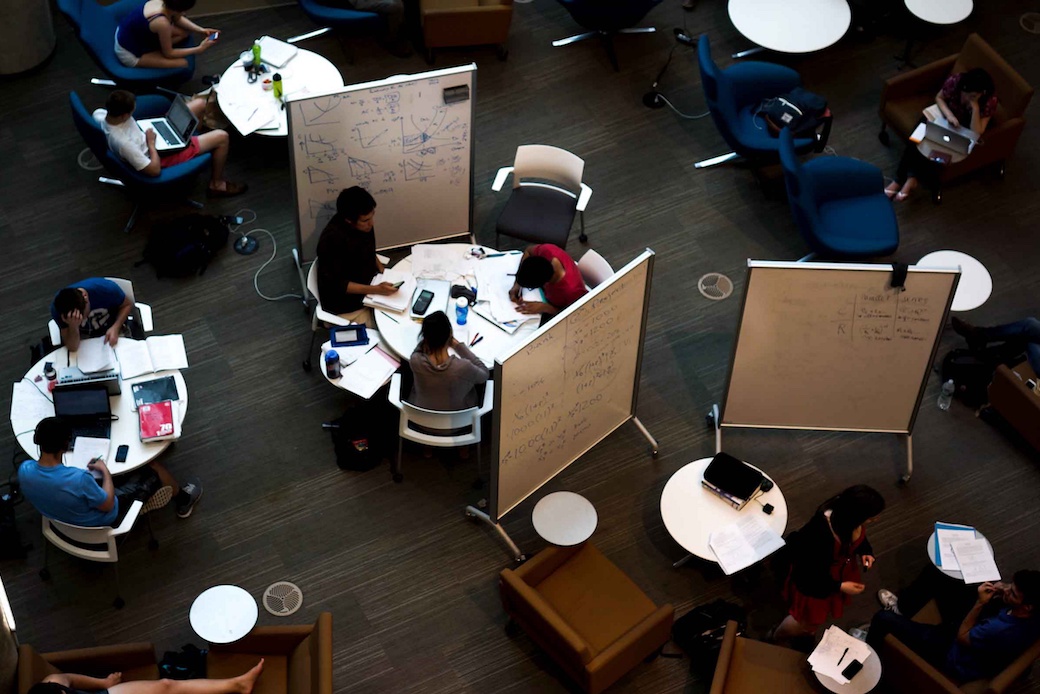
pixel 91 308
pixel 999 627
pixel 72 495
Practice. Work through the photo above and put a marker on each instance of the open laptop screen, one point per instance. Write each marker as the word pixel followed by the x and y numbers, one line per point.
pixel 181 118
pixel 81 402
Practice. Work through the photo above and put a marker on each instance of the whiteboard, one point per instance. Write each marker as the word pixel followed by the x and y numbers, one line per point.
pixel 832 346
pixel 397 139
pixel 568 385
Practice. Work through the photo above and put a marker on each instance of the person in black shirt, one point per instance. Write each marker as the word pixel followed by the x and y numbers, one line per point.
pixel 347 259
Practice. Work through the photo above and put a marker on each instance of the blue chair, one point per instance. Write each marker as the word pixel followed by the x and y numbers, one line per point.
pixel 96 29
pixel 605 18
pixel 174 181
pixel 340 18
pixel 734 94
pixel 839 204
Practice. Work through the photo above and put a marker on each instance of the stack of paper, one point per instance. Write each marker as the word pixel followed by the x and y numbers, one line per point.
pixel 440 262
pixel 250 115
pixel 398 301
pixel 29 405
pixel 88 448
pixel 834 653
pixel 946 535
pixel 276 53
pixel 741 544
pixel 95 355
pixel 157 353
pixel 367 375
pixel 976 561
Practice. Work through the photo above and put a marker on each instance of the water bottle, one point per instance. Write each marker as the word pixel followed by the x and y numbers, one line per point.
pixel 461 310
pixel 277 81
pixel 946 396
pixel 256 54
pixel 332 366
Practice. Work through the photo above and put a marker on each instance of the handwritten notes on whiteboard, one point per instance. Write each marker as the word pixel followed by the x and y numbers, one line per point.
pixel 570 386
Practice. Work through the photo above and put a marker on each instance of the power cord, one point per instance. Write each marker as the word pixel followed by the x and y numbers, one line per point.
pixel 655 99
pixel 234 228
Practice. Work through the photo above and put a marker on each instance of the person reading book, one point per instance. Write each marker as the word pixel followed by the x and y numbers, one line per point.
pixel 90 308
pixel 967 99
pixel 72 495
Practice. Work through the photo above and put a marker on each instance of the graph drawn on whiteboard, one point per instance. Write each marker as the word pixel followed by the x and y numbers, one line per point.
pixel 316 175
pixel 321 111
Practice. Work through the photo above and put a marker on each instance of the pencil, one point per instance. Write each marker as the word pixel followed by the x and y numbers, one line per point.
pixel 389 316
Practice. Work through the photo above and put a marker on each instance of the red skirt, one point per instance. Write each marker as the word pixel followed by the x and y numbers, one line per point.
pixel 812 611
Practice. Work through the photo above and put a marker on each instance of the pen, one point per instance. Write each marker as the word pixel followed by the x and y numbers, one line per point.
pixel 389 316
pixel 843 656
pixel 499 255
pixel 476 342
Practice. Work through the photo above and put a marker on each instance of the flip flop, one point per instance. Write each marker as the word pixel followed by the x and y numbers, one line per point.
pixel 230 190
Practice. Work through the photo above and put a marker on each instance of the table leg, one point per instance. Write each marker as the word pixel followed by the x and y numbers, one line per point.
pixel 750 51
pixel 682 561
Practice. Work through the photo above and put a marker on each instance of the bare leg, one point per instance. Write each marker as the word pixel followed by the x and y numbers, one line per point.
pixel 217 142
pixel 157 59
pixel 243 684
pixel 165 477
pixel 791 628
pixel 908 187
pixel 197 106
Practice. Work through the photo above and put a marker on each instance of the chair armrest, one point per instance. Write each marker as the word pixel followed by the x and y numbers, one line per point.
pixel 32 668
pixel 267 641
pixel 912 672
pixel 146 317
pixel 129 519
pixel 583 197
pixel 104 659
pixel 500 178
pixel 729 640
pixel 394 396
pixel 541 565
pixel 752 82
pixel 833 178
pixel 530 609
pixel 1016 669
pixel 489 398
pixel 923 79
pixel 631 648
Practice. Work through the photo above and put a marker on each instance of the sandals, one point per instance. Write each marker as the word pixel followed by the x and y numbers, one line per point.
pixel 230 190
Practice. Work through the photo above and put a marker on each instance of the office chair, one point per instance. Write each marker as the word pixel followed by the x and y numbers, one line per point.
pixel 606 19
pixel 594 269
pixel 319 317
pixel 733 96
pixel 95 26
pixel 547 192
pixel 839 204
pixel 173 181
pixel 343 19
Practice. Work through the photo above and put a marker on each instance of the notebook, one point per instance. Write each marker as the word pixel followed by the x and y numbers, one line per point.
pixel 155 390
pixel 174 130
pixel 276 53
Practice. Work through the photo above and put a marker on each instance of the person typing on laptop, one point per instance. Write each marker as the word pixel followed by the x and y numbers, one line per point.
pixel 138 148
pixel 72 495
pixel 966 100
pixel 90 308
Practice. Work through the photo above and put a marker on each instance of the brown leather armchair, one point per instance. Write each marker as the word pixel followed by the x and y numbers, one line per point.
pixel 297 659
pixel 135 660
pixel 451 23
pixel 1012 399
pixel 751 667
pixel 905 672
pixel 907 94
pixel 585 613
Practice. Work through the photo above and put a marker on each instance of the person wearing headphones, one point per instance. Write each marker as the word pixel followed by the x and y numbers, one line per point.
pixel 72 495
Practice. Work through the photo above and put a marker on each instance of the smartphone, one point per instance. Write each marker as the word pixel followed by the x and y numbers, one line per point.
pixel 121 453
pixel 398 285
pixel 852 669
pixel 214 36
pixel 423 302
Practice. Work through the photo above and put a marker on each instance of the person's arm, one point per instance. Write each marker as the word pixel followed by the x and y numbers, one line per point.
pixel 154 167
pixel 70 331
pixel 164 30
pixel 112 334
pixel 866 553
pixel 184 23
pixel 945 108
pixel 384 288
pixel 107 485
pixel 476 372
pixel 978 121
pixel 74 681
pixel 542 307
pixel 986 592
pixel 514 293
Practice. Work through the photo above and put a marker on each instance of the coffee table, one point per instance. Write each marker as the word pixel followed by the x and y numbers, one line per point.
pixel 952 573
pixel 975 284
pixel 307 73
pixel 691 513
pixel 223 614
pixel 864 681
pixel 792 26
pixel 940 11
pixel 564 518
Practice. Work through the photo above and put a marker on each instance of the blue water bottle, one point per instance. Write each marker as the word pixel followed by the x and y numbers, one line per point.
pixel 332 366
pixel 461 310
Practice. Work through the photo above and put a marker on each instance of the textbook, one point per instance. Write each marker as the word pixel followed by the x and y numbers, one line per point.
pixel 157 353
pixel 155 390
pixel 157 421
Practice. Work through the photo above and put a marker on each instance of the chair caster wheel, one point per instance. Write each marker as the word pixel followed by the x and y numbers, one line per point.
pixel 709 419
pixel 306 365
pixel 584 238
pixel 118 603
pixel 502 52
pixel 398 477
pixel 482 504
pixel 45 574
pixel 153 545
pixel 903 480
pixel 937 197
pixel 884 138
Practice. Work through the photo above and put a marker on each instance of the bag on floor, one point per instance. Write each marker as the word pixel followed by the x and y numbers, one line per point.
pixel 353 439
pixel 972 371
pixel 187 664
pixel 699 632
pixel 799 110
pixel 184 247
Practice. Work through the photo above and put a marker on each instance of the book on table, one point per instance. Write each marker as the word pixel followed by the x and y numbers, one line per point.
pixel 399 300
pixel 154 390
pixel 158 421
pixel 157 353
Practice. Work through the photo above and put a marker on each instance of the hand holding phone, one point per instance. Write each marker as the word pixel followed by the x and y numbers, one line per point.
pixel 398 285
pixel 214 36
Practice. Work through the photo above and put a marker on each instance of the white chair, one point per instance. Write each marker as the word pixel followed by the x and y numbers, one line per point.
pixel 319 315
pixel 128 288
pixel 434 421
pixel 594 269
pixel 92 544
pixel 547 192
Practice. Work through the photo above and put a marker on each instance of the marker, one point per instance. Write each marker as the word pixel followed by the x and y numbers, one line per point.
pixel 843 655
pixel 389 316
pixel 475 340
pixel 499 255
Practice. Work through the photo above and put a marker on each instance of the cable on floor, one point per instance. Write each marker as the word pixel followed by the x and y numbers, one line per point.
pixel 234 228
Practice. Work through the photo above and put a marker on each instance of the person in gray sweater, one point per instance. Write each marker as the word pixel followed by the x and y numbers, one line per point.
pixel 442 381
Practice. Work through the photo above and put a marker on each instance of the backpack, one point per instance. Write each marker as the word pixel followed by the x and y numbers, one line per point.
pixel 799 110
pixel 187 664
pixel 184 247
pixel 699 632
pixel 353 437
pixel 972 371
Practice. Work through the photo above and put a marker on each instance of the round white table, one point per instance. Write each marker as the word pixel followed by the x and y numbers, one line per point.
pixel 223 614
pixel 307 73
pixel 401 334
pixel 952 573
pixel 564 518
pixel 793 26
pixel 125 429
pixel 864 681
pixel 940 11
pixel 691 513
pixel 975 284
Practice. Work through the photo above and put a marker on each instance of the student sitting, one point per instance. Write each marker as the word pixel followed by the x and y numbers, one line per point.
pixel 72 495
pixel 137 147
pixel 91 308
pixel 1000 625
pixel 68 683
pixel 441 381
pixel 1026 331
pixel 149 35
pixel 551 269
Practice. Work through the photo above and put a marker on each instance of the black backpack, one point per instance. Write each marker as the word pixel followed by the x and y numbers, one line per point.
pixel 184 247
pixel 972 371
pixel 799 110
pixel 699 632
pixel 354 436
pixel 187 664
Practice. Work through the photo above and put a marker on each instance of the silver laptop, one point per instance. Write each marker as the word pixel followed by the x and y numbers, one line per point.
pixel 174 130
pixel 950 139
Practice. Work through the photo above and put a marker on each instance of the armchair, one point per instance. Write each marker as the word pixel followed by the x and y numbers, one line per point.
pixel 135 660
pixel 734 94
pixel 450 23
pixel 745 666
pixel 585 613
pixel 297 659
pixel 605 19
pixel 904 96
pixel 1012 399
pixel 341 18
pixel 839 204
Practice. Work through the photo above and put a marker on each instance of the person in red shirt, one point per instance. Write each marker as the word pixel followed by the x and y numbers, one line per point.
pixel 551 269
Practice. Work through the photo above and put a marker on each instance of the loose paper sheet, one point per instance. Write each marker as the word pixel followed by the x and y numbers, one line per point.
pixel 976 561
pixel 830 656
pixel 95 355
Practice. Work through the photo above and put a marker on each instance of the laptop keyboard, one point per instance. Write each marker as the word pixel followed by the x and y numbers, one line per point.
pixel 167 134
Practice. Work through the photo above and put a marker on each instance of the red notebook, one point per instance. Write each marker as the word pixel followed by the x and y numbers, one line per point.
pixel 157 421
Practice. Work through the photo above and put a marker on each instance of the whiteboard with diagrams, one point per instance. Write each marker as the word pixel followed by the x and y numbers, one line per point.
pixel 407 140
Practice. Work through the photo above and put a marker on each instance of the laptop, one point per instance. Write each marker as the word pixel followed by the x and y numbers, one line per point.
pixel 174 130
pixel 947 138
pixel 733 480
pixel 86 409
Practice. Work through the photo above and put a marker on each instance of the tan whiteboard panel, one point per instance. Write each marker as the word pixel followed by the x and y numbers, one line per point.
pixel 398 140
pixel 569 385
pixel 830 346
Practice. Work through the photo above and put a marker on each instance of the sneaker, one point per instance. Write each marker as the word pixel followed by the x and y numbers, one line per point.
pixel 888 600
pixel 860 632
pixel 193 490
